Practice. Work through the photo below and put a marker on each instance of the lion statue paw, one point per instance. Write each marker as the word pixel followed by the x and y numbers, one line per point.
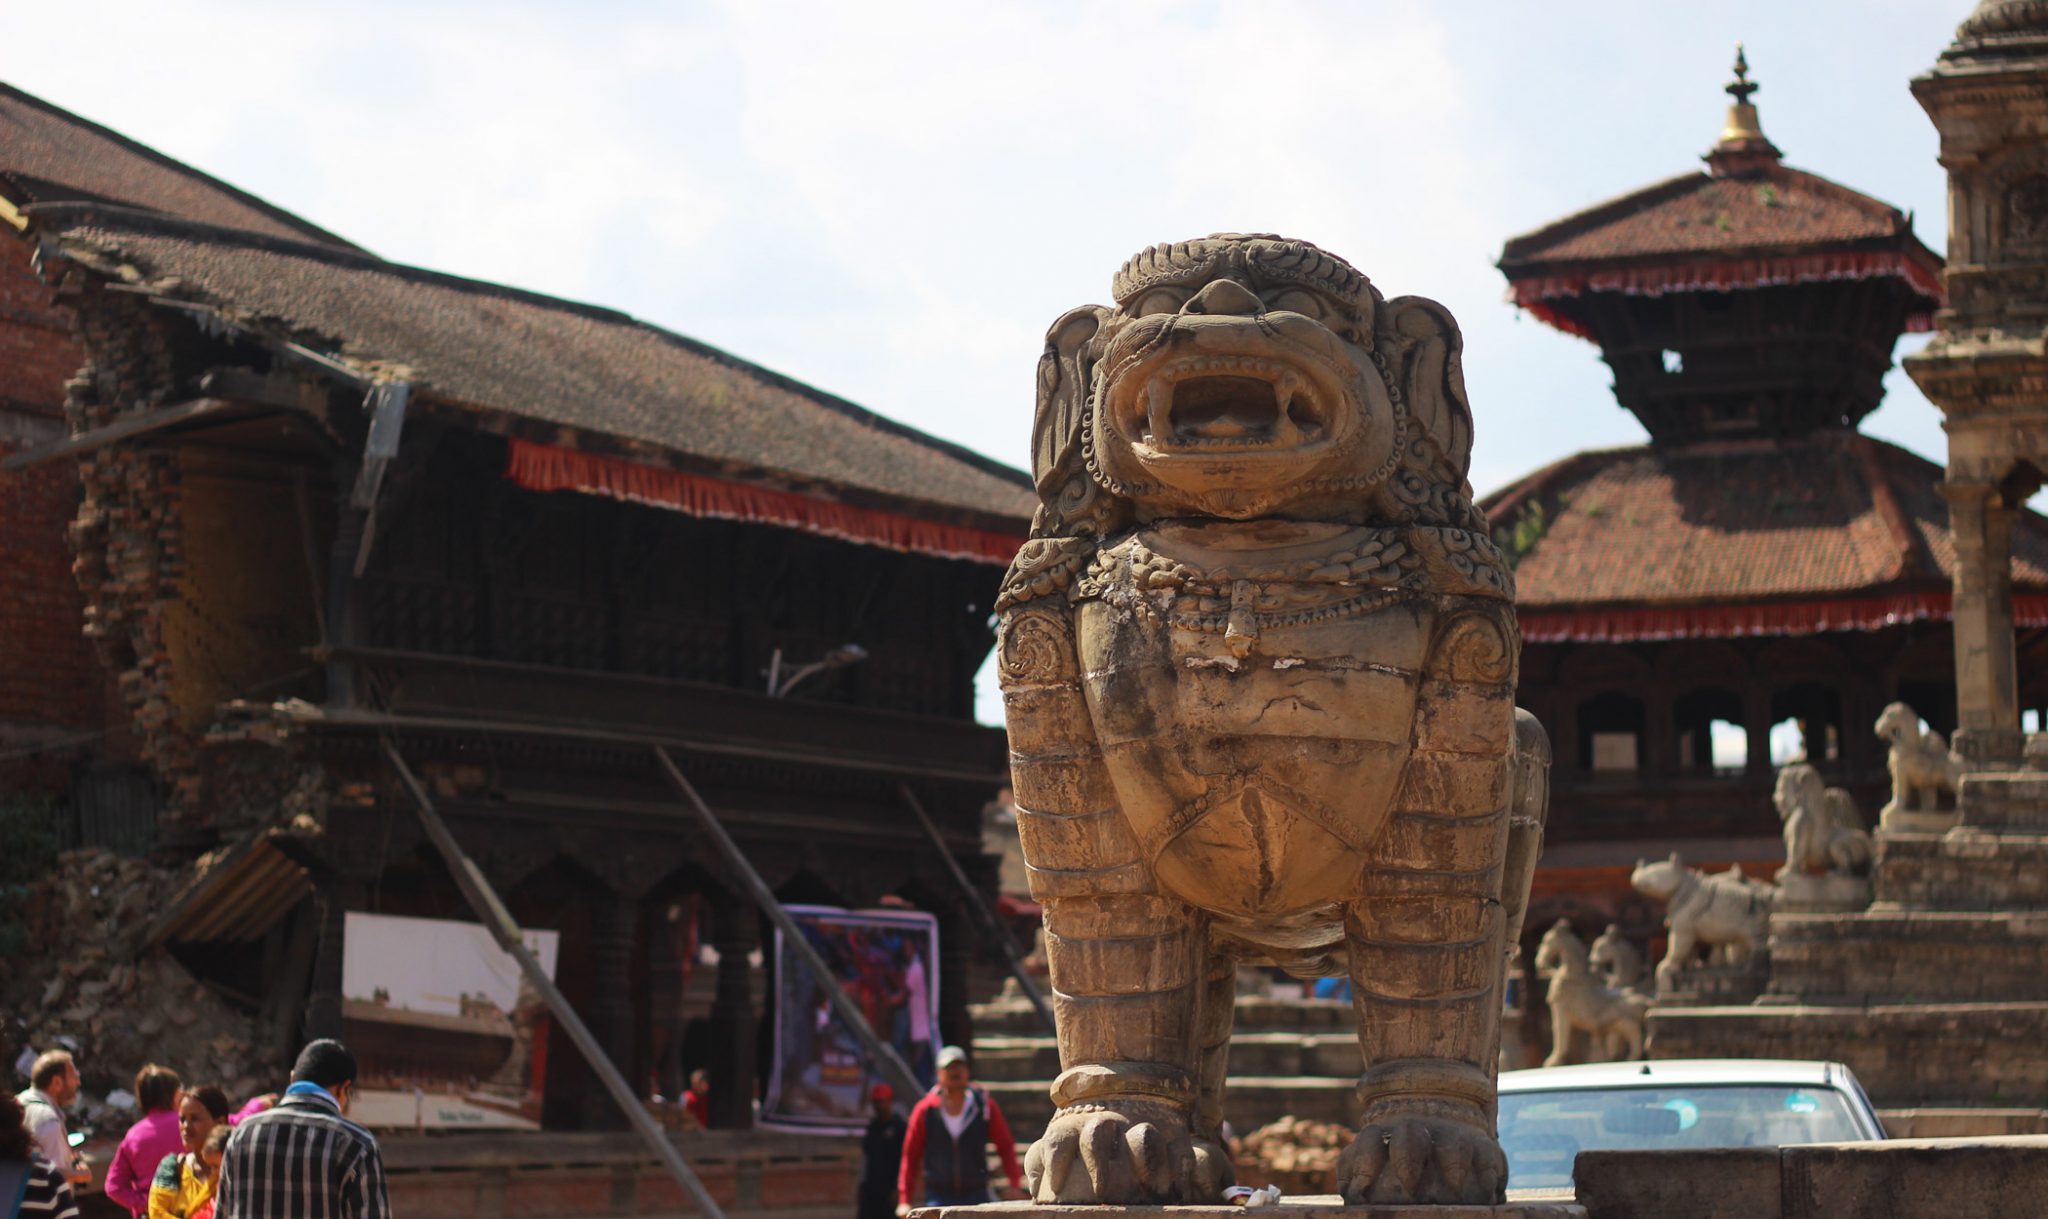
pixel 1422 1160
pixel 1123 1152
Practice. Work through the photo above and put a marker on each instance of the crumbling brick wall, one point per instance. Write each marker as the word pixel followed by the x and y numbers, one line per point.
pixel 127 535
pixel 52 689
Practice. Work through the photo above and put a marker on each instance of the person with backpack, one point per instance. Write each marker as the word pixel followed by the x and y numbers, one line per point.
pixel 947 1140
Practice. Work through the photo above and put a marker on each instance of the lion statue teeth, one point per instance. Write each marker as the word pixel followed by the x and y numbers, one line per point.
pixel 1258 660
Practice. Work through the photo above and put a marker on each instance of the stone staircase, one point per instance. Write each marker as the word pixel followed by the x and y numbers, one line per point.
pixel 1296 1057
pixel 1937 995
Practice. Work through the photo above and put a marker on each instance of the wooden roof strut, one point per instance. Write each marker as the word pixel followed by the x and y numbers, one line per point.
pixel 498 921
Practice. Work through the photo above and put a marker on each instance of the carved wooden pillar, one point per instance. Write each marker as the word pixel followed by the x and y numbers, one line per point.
pixel 735 933
pixel 958 942
pixel 1756 718
pixel 1987 682
pixel 1661 728
pixel 333 899
pixel 610 1014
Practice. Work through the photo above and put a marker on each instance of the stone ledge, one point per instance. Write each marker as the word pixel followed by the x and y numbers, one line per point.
pixel 1998 1178
pixel 1310 1206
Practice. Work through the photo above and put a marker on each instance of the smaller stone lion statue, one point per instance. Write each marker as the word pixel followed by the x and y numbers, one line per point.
pixel 1580 1002
pixel 1823 831
pixel 1923 770
pixel 1617 960
pixel 1727 913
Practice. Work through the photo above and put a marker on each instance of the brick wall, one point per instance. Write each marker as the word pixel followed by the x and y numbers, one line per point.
pixel 51 684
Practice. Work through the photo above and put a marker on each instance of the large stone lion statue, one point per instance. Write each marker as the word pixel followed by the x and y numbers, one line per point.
pixel 1925 775
pixel 1259 663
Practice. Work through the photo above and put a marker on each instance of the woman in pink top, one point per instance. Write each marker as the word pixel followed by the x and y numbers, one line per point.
pixel 148 1141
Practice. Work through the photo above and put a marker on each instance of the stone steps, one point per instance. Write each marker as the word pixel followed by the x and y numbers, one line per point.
pixel 1963 870
pixel 2015 802
pixel 1252 1101
pixel 1962 1055
pixel 1893 955
pixel 1336 1055
pixel 1255 1014
pixel 1962 1123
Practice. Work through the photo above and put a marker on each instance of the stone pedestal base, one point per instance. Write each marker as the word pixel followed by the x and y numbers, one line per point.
pixel 1802 893
pixel 1718 985
pixel 1892 820
pixel 1312 1206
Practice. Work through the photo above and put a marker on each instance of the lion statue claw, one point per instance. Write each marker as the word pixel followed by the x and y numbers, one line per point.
pixel 1258 660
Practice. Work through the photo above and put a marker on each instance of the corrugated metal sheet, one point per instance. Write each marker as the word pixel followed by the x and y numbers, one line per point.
pixel 237 897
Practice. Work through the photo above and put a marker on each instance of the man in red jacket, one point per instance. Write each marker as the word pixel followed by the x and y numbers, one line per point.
pixel 947 1141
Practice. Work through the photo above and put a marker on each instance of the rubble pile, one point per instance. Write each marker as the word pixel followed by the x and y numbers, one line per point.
pixel 77 985
pixel 1297 1154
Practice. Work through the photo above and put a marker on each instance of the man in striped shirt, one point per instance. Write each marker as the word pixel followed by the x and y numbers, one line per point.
pixel 302 1159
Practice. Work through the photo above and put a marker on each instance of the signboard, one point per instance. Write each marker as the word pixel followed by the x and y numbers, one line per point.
pixel 887 962
pixel 446 1031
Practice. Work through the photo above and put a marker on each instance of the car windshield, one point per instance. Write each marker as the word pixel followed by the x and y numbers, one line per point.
pixel 1543 1132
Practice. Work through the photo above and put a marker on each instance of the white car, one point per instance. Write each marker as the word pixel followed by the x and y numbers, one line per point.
pixel 1550 1114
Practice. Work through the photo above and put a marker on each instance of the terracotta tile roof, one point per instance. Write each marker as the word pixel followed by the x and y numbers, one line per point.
pixel 483 347
pixel 1837 515
pixel 49 155
pixel 1777 208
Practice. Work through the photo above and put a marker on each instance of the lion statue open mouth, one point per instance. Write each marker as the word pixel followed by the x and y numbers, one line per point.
pixel 1259 662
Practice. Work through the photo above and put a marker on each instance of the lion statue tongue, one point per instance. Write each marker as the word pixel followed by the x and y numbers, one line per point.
pixel 1259 662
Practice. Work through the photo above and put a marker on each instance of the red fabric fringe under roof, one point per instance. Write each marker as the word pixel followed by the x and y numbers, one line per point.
pixel 1535 292
pixel 545 467
pixel 1770 618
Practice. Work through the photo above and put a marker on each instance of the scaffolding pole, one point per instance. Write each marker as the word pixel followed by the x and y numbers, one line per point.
pixel 498 921
pixel 880 1052
pixel 991 926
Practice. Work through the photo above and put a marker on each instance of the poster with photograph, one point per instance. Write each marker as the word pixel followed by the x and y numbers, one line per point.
pixel 447 1032
pixel 887 962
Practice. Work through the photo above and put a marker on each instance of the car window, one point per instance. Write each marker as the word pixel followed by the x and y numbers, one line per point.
pixel 1543 1132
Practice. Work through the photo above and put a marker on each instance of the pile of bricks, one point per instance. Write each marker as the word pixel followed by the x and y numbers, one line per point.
pixel 1296 1154
pixel 79 984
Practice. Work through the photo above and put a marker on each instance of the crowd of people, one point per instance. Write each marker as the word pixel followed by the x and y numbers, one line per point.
pixel 288 1155
pixel 295 1154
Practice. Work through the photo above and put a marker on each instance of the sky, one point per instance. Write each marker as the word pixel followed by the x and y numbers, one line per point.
pixel 892 200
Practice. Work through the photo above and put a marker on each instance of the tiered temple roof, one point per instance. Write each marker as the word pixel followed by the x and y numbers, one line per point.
pixel 1749 314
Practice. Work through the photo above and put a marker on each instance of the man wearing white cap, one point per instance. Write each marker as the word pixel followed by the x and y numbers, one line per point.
pixel 947 1141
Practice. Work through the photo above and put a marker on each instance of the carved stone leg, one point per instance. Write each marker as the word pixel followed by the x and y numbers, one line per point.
pixel 1126 979
pixel 1217 1013
pixel 1127 964
pixel 1427 951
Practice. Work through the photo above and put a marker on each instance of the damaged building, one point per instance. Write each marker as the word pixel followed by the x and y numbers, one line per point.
pixel 324 510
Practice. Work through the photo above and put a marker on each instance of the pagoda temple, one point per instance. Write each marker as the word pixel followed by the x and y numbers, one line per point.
pixel 1760 561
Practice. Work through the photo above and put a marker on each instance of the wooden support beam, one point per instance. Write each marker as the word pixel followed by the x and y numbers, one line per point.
pixel 142 423
pixel 498 921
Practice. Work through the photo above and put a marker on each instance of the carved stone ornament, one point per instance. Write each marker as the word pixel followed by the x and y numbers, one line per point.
pixel 1614 958
pixel 1259 662
pixel 1611 1018
pixel 1924 773
pixel 1828 853
pixel 1727 913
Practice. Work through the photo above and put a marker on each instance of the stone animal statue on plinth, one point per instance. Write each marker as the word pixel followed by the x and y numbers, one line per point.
pixel 1258 658
pixel 1611 1017
pixel 1616 960
pixel 1727 913
pixel 1823 831
pixel 1925 775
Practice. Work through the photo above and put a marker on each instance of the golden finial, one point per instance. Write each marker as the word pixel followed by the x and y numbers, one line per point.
pixel 1743 145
